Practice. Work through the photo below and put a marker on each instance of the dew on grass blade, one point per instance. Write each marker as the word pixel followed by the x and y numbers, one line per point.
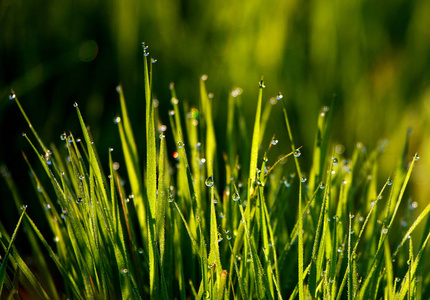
pixel 236 196
pixel 162 136
pixel 279 96
pixel 79 200
pixel 416 157
pixel 303 179
pixel 171 112
pixel 75 104
pixel 174 101
pixel 117 120
pixel 297 153
pixel 12 95
pixel 274 141
pixel 63 136
pixel 209 181
pixel 322 185
pixel 389 181
pixel 110 149
pixel 335 161
pixel 124 271
pixel 236 92
pixel 180 144
pixel 261 84
pixel 204 77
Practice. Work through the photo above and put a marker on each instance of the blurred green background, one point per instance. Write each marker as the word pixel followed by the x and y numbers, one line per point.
pixel 371 57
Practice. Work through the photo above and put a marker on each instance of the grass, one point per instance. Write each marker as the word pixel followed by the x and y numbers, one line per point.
pixel 237 224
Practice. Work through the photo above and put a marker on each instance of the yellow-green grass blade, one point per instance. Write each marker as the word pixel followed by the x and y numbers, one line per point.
pixel 6 255
pixel 370 277
pixel 131 159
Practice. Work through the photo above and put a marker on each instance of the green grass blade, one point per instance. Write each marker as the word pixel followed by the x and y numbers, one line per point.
pixel 6 255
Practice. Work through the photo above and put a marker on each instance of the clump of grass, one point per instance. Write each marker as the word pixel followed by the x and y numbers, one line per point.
pixel 266 231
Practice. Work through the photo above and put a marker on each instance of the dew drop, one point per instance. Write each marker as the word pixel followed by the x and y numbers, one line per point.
pixel 274 141
pixel 56 239
pixel 209 181
pixel 63 136
pixel 75 104
pixel 204 77
pixel 12 95
pixel 24 206
pixel 110 149
pixel 47 207
pixel 171 112
pixel 174 101
pixel 180 144
pixel 261 84
pixel 384 230
pixel 124 271
pixel 236 196
pixel 335 161
pixel 221 215
pixel 162 136
pixel 163 128
pixel 416 157
pixel 322 185
pixel 389 181
pixel 79 200
pixel 297 153
pixel 303 179
pixel 117 120
pixel 279 96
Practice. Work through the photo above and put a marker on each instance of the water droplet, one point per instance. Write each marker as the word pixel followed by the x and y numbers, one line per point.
pixel 124 271
pixel 162 136
pixel 221 215
pixel 279 96
pixel 335 161
pixel 322 185
pixel 236 92
pixel 24 206
pixel 110 149
pixel 171 196
pixel 303 179
pixel 209 181
pixel 12 95
pixel 63 136
pixel 274 141
pixel 180 144
pixel 286 183
pixel 79 200
pixel 215 200
pixel 47 207
pixel 204 77
pixel 344 182
pixel 56 239
pixel 236 196
pixel 163 128
pixel 389 181
pixel 261 84
pixel 210 95
pixel 171 112
pixel 297 153
pixel 174 101
pixel 414 205
pixel 416 157
pixel 339 250
pixel 117 120
pixel 140 250
pixel 384 230
pixel 154 60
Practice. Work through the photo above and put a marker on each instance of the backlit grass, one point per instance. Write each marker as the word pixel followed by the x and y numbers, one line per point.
pixel 198 221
